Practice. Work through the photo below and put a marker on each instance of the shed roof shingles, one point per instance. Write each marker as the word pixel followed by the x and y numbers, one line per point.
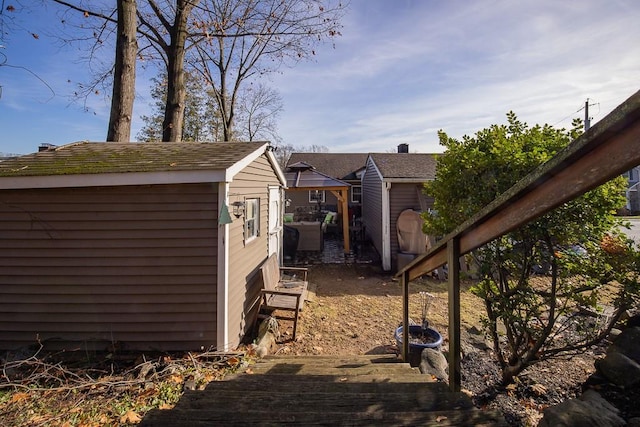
pixel 109 157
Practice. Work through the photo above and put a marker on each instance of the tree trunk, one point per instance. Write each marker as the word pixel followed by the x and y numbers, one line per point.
pixel 176 94
pixel 124 76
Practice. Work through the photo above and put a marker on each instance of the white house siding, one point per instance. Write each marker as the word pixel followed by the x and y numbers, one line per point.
pixel 245 258
pixel 131 266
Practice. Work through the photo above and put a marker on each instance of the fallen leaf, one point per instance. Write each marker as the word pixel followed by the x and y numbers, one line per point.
pixel 249 371
pixel 539 389
pixel 19 397
pixel 440 418
pixel 176 379
pixel 130 417
pixel 165 407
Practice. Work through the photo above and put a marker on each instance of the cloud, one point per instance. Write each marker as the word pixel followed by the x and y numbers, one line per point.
pixel 406 69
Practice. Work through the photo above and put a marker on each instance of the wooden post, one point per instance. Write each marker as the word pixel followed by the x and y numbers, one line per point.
pixel 453 261
pixel 345 220
pixel 405 316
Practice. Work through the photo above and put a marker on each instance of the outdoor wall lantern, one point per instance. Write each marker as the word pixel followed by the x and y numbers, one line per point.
pixel 238 209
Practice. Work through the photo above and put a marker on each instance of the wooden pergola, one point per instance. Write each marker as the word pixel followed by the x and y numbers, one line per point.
pixel 303 177
pixel 604 152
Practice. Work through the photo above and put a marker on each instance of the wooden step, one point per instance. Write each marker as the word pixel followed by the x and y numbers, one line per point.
pixel 275 380
pixel 325 390
pixel 330 366
pixel 212 417
pixel 422 398
pixel 362 358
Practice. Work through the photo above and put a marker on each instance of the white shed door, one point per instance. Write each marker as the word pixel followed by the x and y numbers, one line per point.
pixel 275 222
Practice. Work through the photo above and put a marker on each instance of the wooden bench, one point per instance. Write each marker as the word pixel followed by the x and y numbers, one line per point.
pixel 283 292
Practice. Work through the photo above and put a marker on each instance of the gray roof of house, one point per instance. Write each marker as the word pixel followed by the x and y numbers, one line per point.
pixel 406 165
pixel 109 157
pixel 337 165
pixel 303 175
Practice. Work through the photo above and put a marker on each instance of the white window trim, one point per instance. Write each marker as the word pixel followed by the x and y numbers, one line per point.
pixel 353 187
pixel 322 196
pixel 256 219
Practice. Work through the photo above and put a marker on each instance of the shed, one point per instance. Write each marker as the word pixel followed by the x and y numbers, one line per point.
pixel 132 246
pixel 392 183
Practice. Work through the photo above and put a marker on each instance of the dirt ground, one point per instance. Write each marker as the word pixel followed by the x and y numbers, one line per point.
pixel 355 309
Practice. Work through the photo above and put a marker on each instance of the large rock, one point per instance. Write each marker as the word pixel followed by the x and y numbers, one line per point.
pixel 628 343
pixel 434 363
pixel 590 410
pixel 619 369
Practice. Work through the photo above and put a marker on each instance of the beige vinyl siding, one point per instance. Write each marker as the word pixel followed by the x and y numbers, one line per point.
pixel 245 258
pixel 131 266
pixel 372 206
pixel 402 196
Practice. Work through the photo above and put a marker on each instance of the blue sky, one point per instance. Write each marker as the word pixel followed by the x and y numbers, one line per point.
pixel 401 71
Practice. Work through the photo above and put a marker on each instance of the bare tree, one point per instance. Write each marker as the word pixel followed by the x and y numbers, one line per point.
pixel 171 22
pixel 232 41
pixel 242 38
pixel 259 108
pixel 284 151
pixel 124 74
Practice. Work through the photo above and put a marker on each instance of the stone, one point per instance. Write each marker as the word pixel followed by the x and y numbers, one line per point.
pixel 614 333
pixel 619 369
pixel 434 363
pixel 473 342
pixel 628 343
pixel 591 410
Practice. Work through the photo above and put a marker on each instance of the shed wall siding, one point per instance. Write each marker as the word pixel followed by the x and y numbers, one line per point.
pixel 372 206
pixel 133 265
pixel 245 258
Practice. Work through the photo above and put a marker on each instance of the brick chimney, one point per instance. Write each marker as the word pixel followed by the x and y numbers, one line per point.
pixel 46 147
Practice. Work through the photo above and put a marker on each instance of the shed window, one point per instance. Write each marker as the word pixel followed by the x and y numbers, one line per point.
pixel 316 196
pixel 356 194
pixel 252 219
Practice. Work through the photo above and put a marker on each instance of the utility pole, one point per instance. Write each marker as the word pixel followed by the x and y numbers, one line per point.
pixel 587 121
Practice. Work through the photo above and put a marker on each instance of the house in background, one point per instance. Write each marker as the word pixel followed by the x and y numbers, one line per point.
pixel 142 246
pixel 347 167
pixel 633 198
pixel 391 184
